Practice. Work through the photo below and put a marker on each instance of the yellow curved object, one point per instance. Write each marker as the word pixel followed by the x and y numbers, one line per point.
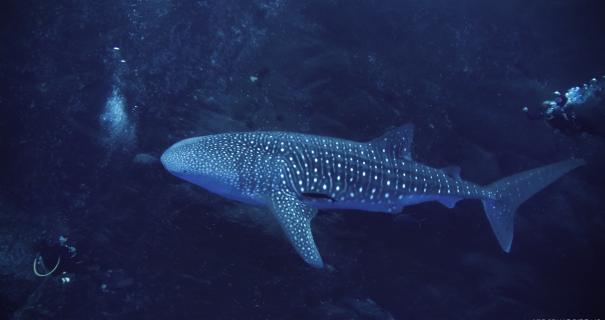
pixel 42 261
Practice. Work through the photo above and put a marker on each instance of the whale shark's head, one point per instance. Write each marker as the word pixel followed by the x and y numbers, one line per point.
pixel 185 157
pixel 206 161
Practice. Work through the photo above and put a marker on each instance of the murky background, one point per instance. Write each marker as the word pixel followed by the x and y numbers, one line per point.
pixel 92 92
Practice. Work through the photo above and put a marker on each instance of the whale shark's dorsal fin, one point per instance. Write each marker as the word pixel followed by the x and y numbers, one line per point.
pixel 396 142
pixel 295 219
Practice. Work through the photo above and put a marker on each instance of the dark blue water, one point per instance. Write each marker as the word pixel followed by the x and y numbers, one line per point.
pixel 91 93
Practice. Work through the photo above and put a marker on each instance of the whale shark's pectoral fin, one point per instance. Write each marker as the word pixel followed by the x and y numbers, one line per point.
pixel 295 219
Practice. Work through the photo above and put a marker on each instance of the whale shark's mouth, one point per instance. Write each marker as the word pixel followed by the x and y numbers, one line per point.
pixel 173 159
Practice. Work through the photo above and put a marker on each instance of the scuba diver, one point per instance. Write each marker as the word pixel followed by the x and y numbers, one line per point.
pixel 56 259
pixel 580 109
pixel 60 260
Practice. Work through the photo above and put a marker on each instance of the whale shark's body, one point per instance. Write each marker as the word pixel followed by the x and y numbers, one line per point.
pixel 296 174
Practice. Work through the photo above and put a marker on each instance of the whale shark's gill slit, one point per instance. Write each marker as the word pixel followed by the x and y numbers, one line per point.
pixel 317 196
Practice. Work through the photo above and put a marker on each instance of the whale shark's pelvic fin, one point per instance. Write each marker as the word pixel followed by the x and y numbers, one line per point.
pixel 396 142
pixel 295 219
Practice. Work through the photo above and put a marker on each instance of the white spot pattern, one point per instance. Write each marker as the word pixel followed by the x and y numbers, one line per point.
pixel 249 167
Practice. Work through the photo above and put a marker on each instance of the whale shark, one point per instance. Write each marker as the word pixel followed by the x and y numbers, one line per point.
pixel 295 175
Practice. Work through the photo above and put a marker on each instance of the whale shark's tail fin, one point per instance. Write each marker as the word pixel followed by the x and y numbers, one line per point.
pixel 505 196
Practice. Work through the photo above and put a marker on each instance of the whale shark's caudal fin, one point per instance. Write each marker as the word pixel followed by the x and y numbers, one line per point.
pixel 507 194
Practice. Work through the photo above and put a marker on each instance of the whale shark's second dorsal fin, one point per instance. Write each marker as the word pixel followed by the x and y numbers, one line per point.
pixel 396 142
pixel 452 171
